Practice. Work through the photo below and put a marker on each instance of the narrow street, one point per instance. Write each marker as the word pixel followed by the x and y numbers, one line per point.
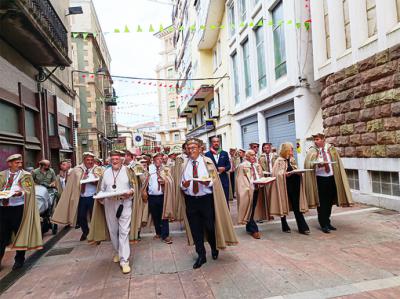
pixel 360 260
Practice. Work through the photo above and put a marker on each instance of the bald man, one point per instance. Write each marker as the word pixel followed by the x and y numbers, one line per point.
pixel 44 175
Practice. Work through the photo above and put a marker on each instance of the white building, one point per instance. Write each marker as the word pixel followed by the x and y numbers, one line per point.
pixel 271 69
pixel 356 46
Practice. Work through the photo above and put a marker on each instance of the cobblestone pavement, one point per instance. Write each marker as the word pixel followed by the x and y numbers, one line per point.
pixel 360 260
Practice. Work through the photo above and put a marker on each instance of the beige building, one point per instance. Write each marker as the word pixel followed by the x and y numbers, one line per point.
pixel 172 127
pixel 200 54
pixel 36 98
pixel 95 110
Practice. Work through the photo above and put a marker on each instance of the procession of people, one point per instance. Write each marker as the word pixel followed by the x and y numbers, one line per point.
pixel 115 199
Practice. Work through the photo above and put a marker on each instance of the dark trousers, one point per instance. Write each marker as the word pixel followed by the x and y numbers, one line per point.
pixel 232 174
pixel 251 226
pixel 156 204
pixel 327 194
pixel 85 207
pixel 293 192
pixel 10 220
pixel 201 216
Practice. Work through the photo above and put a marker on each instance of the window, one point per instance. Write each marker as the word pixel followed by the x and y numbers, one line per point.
pixel 246 68
pixel 176 137
pixel 170 73
pixel 327 30
pixel 371 17
pixel 231 19
pixel 242 10
pixel 211 105
pixel 279 41
pixel 215 62
pixel 203 115
pixel 354 182
pixel 219 60
pixel 398 10
pixel 262 82
pixel 52 124
pixel 30 124
pixel 385 183
pixel 173 124
pixel 235 77
pixel 9 118
pixel 64 131
pixel 171 104
pixel 346 17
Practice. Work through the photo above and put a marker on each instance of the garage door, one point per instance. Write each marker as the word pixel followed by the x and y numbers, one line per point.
pixel 249 134
pixel 281 128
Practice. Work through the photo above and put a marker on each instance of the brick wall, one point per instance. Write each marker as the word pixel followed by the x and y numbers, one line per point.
pixel 361 107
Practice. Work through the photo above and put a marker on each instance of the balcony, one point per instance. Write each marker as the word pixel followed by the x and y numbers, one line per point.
pixel 187 106
pixel 212 16
pixel 34 29
pixel 204 128
pixel 112 130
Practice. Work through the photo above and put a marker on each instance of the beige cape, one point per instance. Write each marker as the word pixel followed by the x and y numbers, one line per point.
pixel 245 194
pixel 98 225
pixel 29 235
pixel 263 161
pixel 67 207
pixel 280 205
pixel 344 198
pixel 224 231
pixel 169 190
pixel 179 198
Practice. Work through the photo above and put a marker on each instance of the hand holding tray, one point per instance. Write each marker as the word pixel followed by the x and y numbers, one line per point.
pixel 108 194
pixel 264 181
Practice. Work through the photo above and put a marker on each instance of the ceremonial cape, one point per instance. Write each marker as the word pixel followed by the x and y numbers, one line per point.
pixel 179 198
pixel 245 194
pixel 344 197
pixel 280 205
pixel 224 231
pixel 67 207
pixel 29 235
pixel 263 161
pixel 98 226
pixel 169 192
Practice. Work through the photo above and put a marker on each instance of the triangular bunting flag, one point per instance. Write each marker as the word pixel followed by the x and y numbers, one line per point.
pixel 75 34
pixel 260 23
pixel 126 30
pixel 139 29
pixel 85 35
pixel 116 30
pixel 151 29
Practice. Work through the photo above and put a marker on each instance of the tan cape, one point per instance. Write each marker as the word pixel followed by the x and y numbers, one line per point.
pixel 29 235
pixel 263 161
pixel 169 190
pixel 224 231
pixel 179 198
pixel 67 207
pixel 245 194
pixel 344 197
pixel 98 225
pixel 280 205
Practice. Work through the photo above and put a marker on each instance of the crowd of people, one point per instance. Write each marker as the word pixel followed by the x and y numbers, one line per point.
pixel 113 200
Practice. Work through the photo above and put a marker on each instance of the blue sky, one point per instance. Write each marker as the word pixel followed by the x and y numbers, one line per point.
pixel 134 53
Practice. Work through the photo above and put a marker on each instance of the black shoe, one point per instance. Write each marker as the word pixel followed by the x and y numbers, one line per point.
pixel 199 262
pixel 18 265
pixel 331 227
pixel 325 229
pixel 77 226
pixel 83 237
pixel 285 227
pixel 304 232
pixel 214 254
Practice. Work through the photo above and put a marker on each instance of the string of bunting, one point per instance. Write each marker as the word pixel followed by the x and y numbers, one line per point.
pixel 161 28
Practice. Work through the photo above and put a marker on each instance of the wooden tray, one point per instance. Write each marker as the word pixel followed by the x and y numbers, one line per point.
pixel 87 181
pixel 265 181
pixel 102 194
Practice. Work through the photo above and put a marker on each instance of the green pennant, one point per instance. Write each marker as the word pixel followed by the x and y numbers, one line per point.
pixel 242 24
pixel 280 23
pixel 251 24
pixel 116 30
pixel 202 27
pixel 151 29
pixel 139 29
pixel 221 26
pixel 307 25
pixel 192 27
pixel 260 23
pixel 298 25
pixel 290 22
pixel 213 27
pixel 75 34
pixel 171 29
pixel 161 29
pixel 85 35
pixel 94 34
pixel 181 28
pixel 232 25
pixel 126 30
pixel 270 23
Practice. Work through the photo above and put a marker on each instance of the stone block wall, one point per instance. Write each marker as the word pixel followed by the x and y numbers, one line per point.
pixel 361 107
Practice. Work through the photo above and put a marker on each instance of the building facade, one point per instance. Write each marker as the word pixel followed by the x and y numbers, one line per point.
pixel 172 127
pixel 274 96
pixel 95 109
pixel 357 59
pixel 201 54
pixel 36 97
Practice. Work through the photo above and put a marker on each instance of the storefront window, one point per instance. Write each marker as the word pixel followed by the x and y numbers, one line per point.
pixel 9 118
pixel 30 124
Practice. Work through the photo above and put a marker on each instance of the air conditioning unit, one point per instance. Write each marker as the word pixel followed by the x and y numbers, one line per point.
pixel 214 113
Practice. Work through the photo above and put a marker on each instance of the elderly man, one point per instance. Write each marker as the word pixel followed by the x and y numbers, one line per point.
pixel 251 200
pixel 159 191
pixel 328 184
pixel 255 147
pixel 267 157
pixel 130 158
pixel 205 205
pixel 221 162
pixel 116 211
pixel 76 201
pixel 62 177
pixel 44 175
pixel 19 215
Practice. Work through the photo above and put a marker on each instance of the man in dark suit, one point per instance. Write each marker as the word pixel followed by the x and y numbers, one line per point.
pixel 222 163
